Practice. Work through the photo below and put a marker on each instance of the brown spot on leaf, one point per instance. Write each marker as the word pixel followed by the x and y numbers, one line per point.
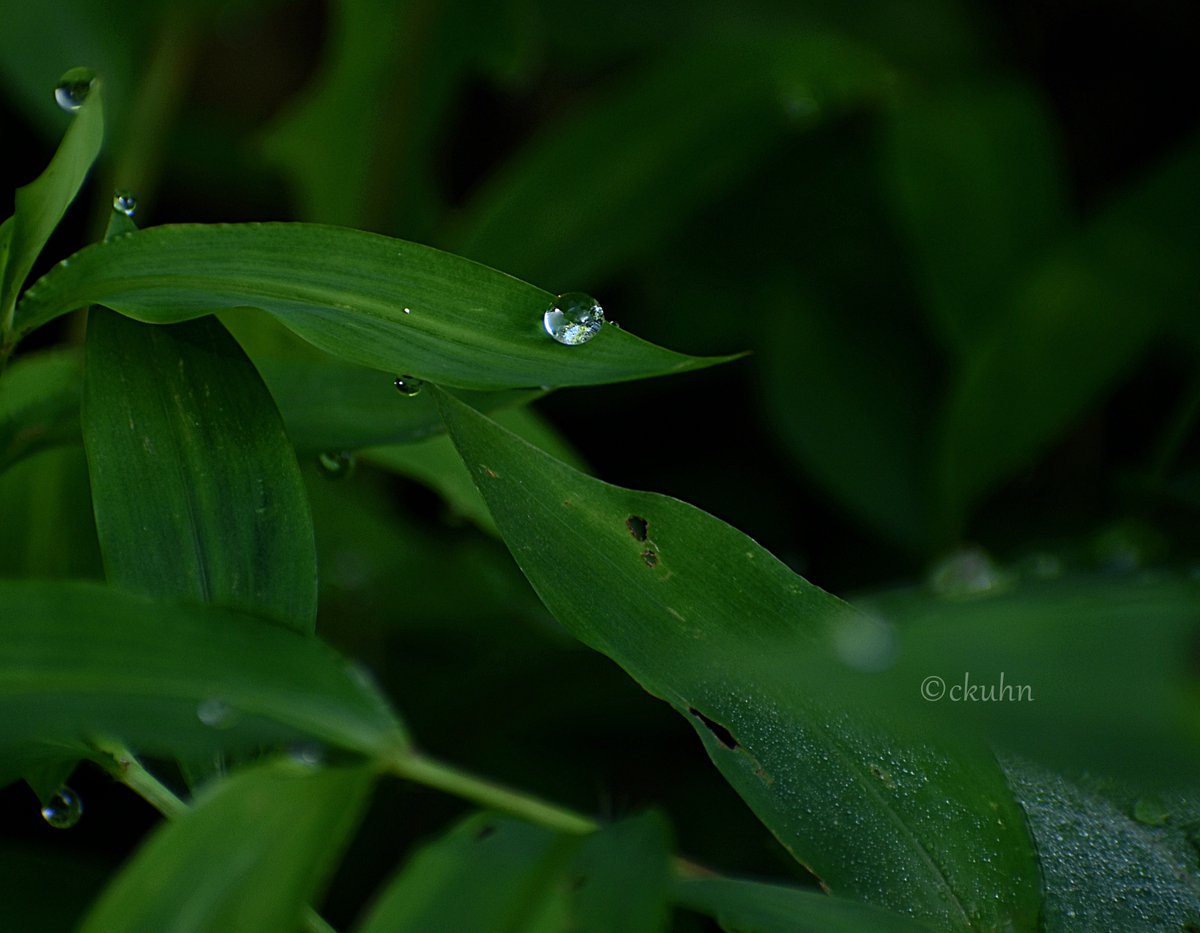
pixel 650 558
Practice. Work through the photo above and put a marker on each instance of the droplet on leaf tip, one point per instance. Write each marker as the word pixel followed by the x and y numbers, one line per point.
pixel 64 809
pixel 73 88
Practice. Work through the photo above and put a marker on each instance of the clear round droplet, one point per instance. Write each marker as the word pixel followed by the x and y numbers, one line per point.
pixel 217 714
pixel 73 88
pixel 968 574
pixel 64 809
pixel 408 386
pixel 125 203
pixel 337 464
pixel 574 318
pixel 307 754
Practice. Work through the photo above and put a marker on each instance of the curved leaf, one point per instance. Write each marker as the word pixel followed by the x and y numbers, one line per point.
pixel 247 858
pixel 753 907
pixel 703 617
pixel 80 661
pixel 196 488
pixel 39 403
pixel 379 302
pixel 40 205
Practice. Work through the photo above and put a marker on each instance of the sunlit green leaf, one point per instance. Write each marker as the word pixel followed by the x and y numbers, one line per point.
pixel 196 487
pixel 706 619
pixel 382 303
pixel 279 828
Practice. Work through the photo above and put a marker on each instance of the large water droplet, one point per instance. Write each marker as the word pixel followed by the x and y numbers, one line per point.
pixel 125 203
pixel 967 574
pixel 574 318
pixel 408 386
pixel 217 714
pixel 64 809
pixel 73 87
pixel 337 464
pixel 864 642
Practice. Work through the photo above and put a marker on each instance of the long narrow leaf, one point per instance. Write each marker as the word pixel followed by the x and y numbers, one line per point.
pixel 247 858
pixel 387 304
pixel 81 661
pixel 196 488
pixel 706 619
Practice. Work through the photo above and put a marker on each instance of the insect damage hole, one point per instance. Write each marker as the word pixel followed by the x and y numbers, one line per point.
pixel 638 527
pixel 650 558
pixel 722 735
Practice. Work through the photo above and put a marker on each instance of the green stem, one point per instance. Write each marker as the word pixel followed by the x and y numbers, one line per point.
pixel 123 765
pixel 415 767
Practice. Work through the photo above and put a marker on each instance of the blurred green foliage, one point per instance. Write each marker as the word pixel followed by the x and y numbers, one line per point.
pixel 959 241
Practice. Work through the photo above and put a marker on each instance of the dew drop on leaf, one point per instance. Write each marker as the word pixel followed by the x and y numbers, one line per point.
pixel 573 318
pixel 337 464
pixel 64 809
pixel 408 386
pixel 217 714
pixel 124 203
pixel 73 87
pixel 967 574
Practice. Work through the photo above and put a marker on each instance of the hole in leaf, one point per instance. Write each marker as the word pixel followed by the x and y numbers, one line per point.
pixel 650 558
pixel 638 527
pixel 484 831
pixel 723 735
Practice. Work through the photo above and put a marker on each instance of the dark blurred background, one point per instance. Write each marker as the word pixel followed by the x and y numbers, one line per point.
pixel 959 241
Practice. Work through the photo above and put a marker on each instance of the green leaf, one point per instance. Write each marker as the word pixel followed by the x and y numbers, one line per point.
pixel 437 464
pixel 753 907
pixel 528 878
pixel 626 169
pixel 248 857
pixel 196 488
pixel 46 517
pixel 975 178
pixel 346 292
pixel 514 872
pixel 80 661
pixel 41 204
pixel 1077 324
pixel 1084 672
pixel 1101 869
pixel 823 371
pixel 39 403
pixel 704 618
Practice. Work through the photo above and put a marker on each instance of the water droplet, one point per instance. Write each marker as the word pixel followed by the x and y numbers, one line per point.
pixel 408 310
pixel 864 642
pixel 73 87
pixel 967 574
pixel 308 754
pixel 217 714
pixel 64 809
pixel 408 386
pixel 125 203
pixel 574 318
pixel 337 464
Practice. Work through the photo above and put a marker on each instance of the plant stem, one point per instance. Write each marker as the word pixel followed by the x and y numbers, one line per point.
pixel 432 773
pixel 123 765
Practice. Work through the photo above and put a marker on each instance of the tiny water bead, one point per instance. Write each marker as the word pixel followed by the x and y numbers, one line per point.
pixel 217 714
pixel 124 203
pixel 968 574
pixel 64 809
pixel 337 464
pixel 408 386
pixel 73 88
pixel 573 318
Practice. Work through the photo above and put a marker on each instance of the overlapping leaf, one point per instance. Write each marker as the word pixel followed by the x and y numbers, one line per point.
pixel 706 619
pixel 379 302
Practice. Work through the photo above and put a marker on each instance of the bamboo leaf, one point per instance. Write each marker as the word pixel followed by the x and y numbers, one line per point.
pixel 196 488
pixel 278 829
pixel 347 292
pixel 704 618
